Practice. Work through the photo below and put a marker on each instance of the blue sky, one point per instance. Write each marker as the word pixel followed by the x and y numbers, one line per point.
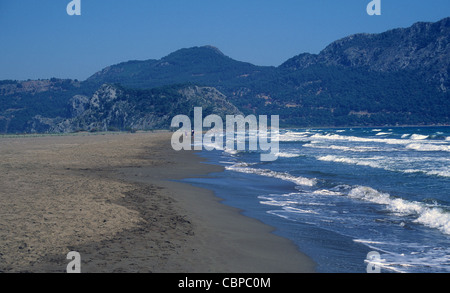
pixel 39 40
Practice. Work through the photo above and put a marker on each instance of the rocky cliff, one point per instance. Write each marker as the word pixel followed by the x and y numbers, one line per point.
pixel 113 108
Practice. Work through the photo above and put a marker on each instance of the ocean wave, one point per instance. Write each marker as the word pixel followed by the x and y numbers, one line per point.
pixel 368 242
pixel 287 155
pixel 269 173
pixel 405 139
pixel 344 138
pixel 299 211
pixel 419 137
pixel 372 162
pixel 390 164
pixel 287 205
pixel 356 139
pixel 242 165
pixel 431 217
pixel 272 201
pixel 419 256
pixel 428 147
pixel 440 173
pixel 327 192
pixel 294 136
pixel 357 149
pixel 319 211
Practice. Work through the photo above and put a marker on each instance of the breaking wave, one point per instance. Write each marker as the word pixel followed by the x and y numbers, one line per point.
pixel 432 217
pixel 243 168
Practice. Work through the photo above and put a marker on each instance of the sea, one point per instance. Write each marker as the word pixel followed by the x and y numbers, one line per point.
pixel 342 194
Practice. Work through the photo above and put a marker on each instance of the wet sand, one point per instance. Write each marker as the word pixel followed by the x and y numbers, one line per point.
pixel 113 199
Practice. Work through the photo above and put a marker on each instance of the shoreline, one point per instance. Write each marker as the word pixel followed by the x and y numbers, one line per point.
pixel 158 131
pixel 225 241
pixel 116 201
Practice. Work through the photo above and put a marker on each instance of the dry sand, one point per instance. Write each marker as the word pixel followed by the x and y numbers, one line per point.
pixel 112 199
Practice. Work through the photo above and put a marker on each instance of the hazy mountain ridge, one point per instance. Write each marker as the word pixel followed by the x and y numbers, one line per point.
pixel 397 77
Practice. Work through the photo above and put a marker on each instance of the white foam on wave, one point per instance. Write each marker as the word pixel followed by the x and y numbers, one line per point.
pixel 269 173
pixel 440 173
pixel 414 138
pixel 383 133
pixel 419 256
pixel 356 149
pixel 286 212
pixel 294 136
pixel 231 151
pixel 242 165
pixel 372 162
pixel 327 192
pixel 345 138
pixel 398 164
pixel 428 147
pixel 287 155
pixel 299 211
pixel 272 201
pixel 368 242
pixel 419 137
pixel 429 216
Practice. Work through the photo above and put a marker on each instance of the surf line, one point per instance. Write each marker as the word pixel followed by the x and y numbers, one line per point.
pixel 237 126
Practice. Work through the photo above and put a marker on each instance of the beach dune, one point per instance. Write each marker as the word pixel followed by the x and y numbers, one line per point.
pixel 116 200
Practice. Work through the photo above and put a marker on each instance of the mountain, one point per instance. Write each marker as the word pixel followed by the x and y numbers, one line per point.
pixel 423 48
pixel 200 65
pixel 398 77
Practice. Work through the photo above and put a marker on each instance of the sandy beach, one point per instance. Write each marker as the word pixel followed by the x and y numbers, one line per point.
pixel 114 199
